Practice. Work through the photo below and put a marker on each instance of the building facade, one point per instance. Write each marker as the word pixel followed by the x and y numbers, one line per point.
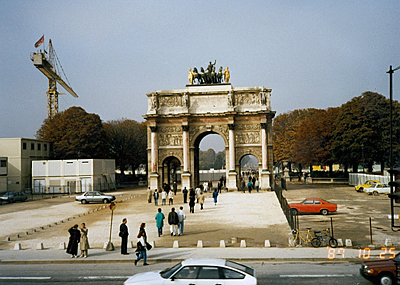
pixel 19 154
pixel 72 176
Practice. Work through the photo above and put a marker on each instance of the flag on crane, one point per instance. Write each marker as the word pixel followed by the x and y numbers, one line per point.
pixel 39 42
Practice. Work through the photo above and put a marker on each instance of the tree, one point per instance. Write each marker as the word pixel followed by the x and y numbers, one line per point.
pixel 126 143
pixel 361 131
pixel 74 134
pixel 314 138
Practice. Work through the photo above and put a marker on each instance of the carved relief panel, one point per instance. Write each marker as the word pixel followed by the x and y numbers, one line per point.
pixel 170 136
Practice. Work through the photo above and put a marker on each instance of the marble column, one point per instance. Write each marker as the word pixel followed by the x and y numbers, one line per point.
pixel 186 173
pixel 265 174
pixel 153 177
pixel 232 172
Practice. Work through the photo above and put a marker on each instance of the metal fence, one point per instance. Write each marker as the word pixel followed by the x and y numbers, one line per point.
pixel 292 219
pixel 361 178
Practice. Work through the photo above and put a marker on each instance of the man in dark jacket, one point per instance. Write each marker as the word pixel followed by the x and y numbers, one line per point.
pixel 173 221
pixel 123 233
pixel 75 236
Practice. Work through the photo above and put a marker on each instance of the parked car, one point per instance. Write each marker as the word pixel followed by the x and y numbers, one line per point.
pixel 313 205
pixel 198 271
pixel 367 184
pixel 378 188
pixel 94 197
pixel 11 197
pixel 380 271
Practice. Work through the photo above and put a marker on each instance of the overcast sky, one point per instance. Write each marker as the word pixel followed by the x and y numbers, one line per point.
pixel 313 54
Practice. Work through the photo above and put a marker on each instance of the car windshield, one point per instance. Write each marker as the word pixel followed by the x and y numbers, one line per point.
pixel 166 273
pixel 240 267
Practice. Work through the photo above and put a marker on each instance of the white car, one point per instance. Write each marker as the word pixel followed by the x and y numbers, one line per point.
pixel 94 197
pixel 198 271
pixel 378 188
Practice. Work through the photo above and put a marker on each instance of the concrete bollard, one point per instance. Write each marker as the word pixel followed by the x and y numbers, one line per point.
pixel 388 242
pixel 176 244
pixel 221 243
pixel 349 243
pixel 242 243
pixel 39 246
pixel 234 240
pixel 62 246
pixel 199 243
pixel 17 246
pixel 339 242
pixel 105 244
pixel 17 235
pixel 267 243
pixel 133 244
pixel 26 233
pixel 153 243
pixel 7 239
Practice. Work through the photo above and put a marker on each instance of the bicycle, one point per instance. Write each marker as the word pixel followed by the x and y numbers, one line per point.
pixel 300 239
pixel 323 238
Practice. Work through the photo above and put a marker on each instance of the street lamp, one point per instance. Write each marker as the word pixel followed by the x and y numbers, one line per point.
pixel 391 71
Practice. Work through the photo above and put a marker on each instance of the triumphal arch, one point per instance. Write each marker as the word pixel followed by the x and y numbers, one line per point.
pixel 179 119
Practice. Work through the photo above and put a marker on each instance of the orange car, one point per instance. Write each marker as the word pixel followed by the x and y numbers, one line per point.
pixel 313 205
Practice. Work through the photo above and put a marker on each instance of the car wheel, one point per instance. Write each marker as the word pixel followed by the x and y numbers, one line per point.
pixel 324 212
pixel 360 189
pixel 375 193
pixel 316 242
pixel 294 212
pixel 332 242
pixel 83 201
pixel 105 201
pixel 385 279
pixel 11 201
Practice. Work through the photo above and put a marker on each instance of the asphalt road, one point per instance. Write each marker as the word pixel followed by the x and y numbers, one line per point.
pixel 267 273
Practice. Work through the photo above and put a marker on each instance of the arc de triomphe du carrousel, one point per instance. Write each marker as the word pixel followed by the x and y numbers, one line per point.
pixel 179 119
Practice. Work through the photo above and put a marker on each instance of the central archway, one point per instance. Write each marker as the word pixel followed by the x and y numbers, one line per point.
pixel 179 119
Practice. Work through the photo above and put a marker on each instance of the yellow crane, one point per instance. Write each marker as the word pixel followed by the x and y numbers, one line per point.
pixel 48 66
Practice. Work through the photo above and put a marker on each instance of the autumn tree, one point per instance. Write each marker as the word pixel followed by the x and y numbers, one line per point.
pixel 314 138
pixel 126 143
pixel 361 131
pixel 284 130
pixel 74 134
pixel 209 159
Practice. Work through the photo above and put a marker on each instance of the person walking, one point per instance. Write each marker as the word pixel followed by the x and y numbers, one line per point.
pixel 185 194
pixel 160 222
pixel 84 241
pixel 74 238
pixel 215 195
pixel 142 244
pixel 149 195
pixel 182 218
pixel 170 198
pixel 163 197
pixel 123 233
pixel 192 198
pixel 201 200
pixel 257 185
pixel 156 195
pixel 173 221
pixel 249 186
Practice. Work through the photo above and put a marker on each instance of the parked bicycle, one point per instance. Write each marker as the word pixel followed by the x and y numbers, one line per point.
pixel 302 237
pixel 325 238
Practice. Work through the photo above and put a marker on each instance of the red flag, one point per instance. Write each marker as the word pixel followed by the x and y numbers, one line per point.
pixel 39 42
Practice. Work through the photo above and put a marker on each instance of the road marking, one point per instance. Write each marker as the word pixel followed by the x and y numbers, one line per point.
pixel 315 276
pixel 104 277
pixel 24 278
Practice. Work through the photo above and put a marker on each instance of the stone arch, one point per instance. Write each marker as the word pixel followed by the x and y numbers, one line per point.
pixel 241 116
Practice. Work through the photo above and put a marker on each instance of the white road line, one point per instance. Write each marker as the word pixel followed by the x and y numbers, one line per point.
pixel 24 278
pixel 104 277
pixel 316 275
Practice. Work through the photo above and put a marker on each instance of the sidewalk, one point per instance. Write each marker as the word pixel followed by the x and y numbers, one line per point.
pixel 177 254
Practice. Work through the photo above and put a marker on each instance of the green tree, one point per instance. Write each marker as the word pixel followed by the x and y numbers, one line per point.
pixel 361 131
pixel 126 143
pixel 74 134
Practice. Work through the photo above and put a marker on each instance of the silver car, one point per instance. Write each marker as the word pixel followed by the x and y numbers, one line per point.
pixel 94 197
pixel 11 197
pixel 198 271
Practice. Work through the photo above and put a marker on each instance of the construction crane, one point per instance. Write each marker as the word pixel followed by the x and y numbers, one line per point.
pixel 48 66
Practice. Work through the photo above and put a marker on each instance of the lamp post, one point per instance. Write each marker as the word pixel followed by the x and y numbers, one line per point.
pixel 391 71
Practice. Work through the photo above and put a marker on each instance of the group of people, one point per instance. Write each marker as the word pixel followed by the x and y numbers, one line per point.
pixel 78 236
pixel 252 184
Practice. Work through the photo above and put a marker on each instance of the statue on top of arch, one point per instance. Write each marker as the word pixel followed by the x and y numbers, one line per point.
pixel 208 75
